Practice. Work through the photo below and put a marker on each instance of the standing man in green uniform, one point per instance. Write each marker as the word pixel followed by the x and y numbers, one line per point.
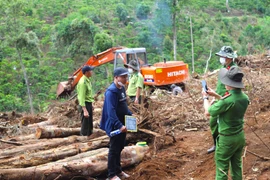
pixel 135 85
pixel 226 55
pixel 230 110
pixel 85 98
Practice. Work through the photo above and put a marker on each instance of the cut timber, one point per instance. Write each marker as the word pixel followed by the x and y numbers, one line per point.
pixel 56 132
pixel 25 137
pixel 87 166
pixel 43 145
pixel 41 157
pixel 50 121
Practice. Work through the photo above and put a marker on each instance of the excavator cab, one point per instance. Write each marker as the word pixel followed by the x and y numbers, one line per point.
pixel 124 56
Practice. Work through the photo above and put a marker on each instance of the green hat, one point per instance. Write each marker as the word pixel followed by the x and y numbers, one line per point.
pixel 232 77
pixel 133 64
pixel 227 51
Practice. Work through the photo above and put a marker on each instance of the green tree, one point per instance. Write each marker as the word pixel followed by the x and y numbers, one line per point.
pixel 102 42
pixel 142 11
pixel 76 34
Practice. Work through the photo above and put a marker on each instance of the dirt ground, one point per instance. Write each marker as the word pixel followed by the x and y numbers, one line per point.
pixel 181 134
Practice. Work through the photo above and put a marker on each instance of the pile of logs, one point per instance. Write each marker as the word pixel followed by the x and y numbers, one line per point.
pixel 59 153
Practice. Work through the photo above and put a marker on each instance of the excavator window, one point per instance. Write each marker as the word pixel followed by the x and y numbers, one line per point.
pixel 142 59
pixel 120 59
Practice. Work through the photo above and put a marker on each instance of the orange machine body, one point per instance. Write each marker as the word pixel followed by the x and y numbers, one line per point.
pixel 165 73
pixel 161 74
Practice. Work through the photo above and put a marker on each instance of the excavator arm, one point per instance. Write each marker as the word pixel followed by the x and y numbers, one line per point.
pixel 66 87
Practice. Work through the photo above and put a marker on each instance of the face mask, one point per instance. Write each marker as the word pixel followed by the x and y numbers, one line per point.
pixel 222 60
pixel 120 84
pixel 130 71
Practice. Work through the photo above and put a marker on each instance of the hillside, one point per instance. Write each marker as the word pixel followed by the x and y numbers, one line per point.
pixel 43 42
pixel 178 133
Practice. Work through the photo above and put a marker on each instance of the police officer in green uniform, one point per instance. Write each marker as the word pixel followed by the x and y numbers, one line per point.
pixel 227 56
pixel 85 98
pixel 230 110
pixel 135 85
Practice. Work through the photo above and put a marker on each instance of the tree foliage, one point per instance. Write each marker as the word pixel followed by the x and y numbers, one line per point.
pixel 51 39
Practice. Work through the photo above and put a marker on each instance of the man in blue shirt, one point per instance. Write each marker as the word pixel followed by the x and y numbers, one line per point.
pixel 113 117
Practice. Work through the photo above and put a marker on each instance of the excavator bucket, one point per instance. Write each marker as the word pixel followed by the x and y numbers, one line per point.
pixel 65 88
pixel 61 89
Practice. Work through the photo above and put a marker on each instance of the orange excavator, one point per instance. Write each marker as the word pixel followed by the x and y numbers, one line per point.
pixel 161 74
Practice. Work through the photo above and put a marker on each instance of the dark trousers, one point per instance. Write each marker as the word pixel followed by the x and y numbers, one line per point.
pixel 214 127
pixel 87 123
pixel 117 144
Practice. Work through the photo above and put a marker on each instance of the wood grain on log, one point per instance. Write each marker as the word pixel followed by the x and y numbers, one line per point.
pixel 88 166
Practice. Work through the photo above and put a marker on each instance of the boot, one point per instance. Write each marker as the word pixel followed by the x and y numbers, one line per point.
pixel 213 148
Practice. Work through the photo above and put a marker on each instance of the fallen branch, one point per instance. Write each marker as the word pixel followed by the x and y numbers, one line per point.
pixel 11 142
pixel 150 132
pixel 258 136
pixel 259 156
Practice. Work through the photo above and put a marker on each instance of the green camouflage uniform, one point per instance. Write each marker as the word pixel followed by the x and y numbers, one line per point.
pixel 230 111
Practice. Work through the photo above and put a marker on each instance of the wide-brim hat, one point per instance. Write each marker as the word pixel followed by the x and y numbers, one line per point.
pixel 132 64
pixel 232 77
pixel 227 51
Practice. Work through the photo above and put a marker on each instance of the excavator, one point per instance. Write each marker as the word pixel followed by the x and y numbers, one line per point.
pixel 161 74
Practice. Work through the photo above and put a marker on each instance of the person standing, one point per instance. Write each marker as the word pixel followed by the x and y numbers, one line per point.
pixel 113 118
pixel 226 58
pixel 230 110
pixel 85 98
pixel 135 85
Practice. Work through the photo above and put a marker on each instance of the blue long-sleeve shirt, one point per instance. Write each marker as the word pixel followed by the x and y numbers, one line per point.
pixel 114 109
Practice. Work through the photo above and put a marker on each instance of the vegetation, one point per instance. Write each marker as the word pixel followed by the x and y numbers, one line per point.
pixel 43 42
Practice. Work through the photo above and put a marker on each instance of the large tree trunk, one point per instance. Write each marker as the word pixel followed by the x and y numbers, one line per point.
pixel 227 6
pixel 26 82
pixel 43 145
pixel 42 157
pixel 87 166
pixel 56 132
pixel 174 31
pixel 192 48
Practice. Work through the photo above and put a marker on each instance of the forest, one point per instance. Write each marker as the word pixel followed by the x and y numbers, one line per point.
pixel 43 42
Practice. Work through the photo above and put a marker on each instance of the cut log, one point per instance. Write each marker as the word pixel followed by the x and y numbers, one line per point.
pixel 50 121
pixel 23 138
pixel 43 145
pixel 56 132
pixel 41 157
pixel 88 166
